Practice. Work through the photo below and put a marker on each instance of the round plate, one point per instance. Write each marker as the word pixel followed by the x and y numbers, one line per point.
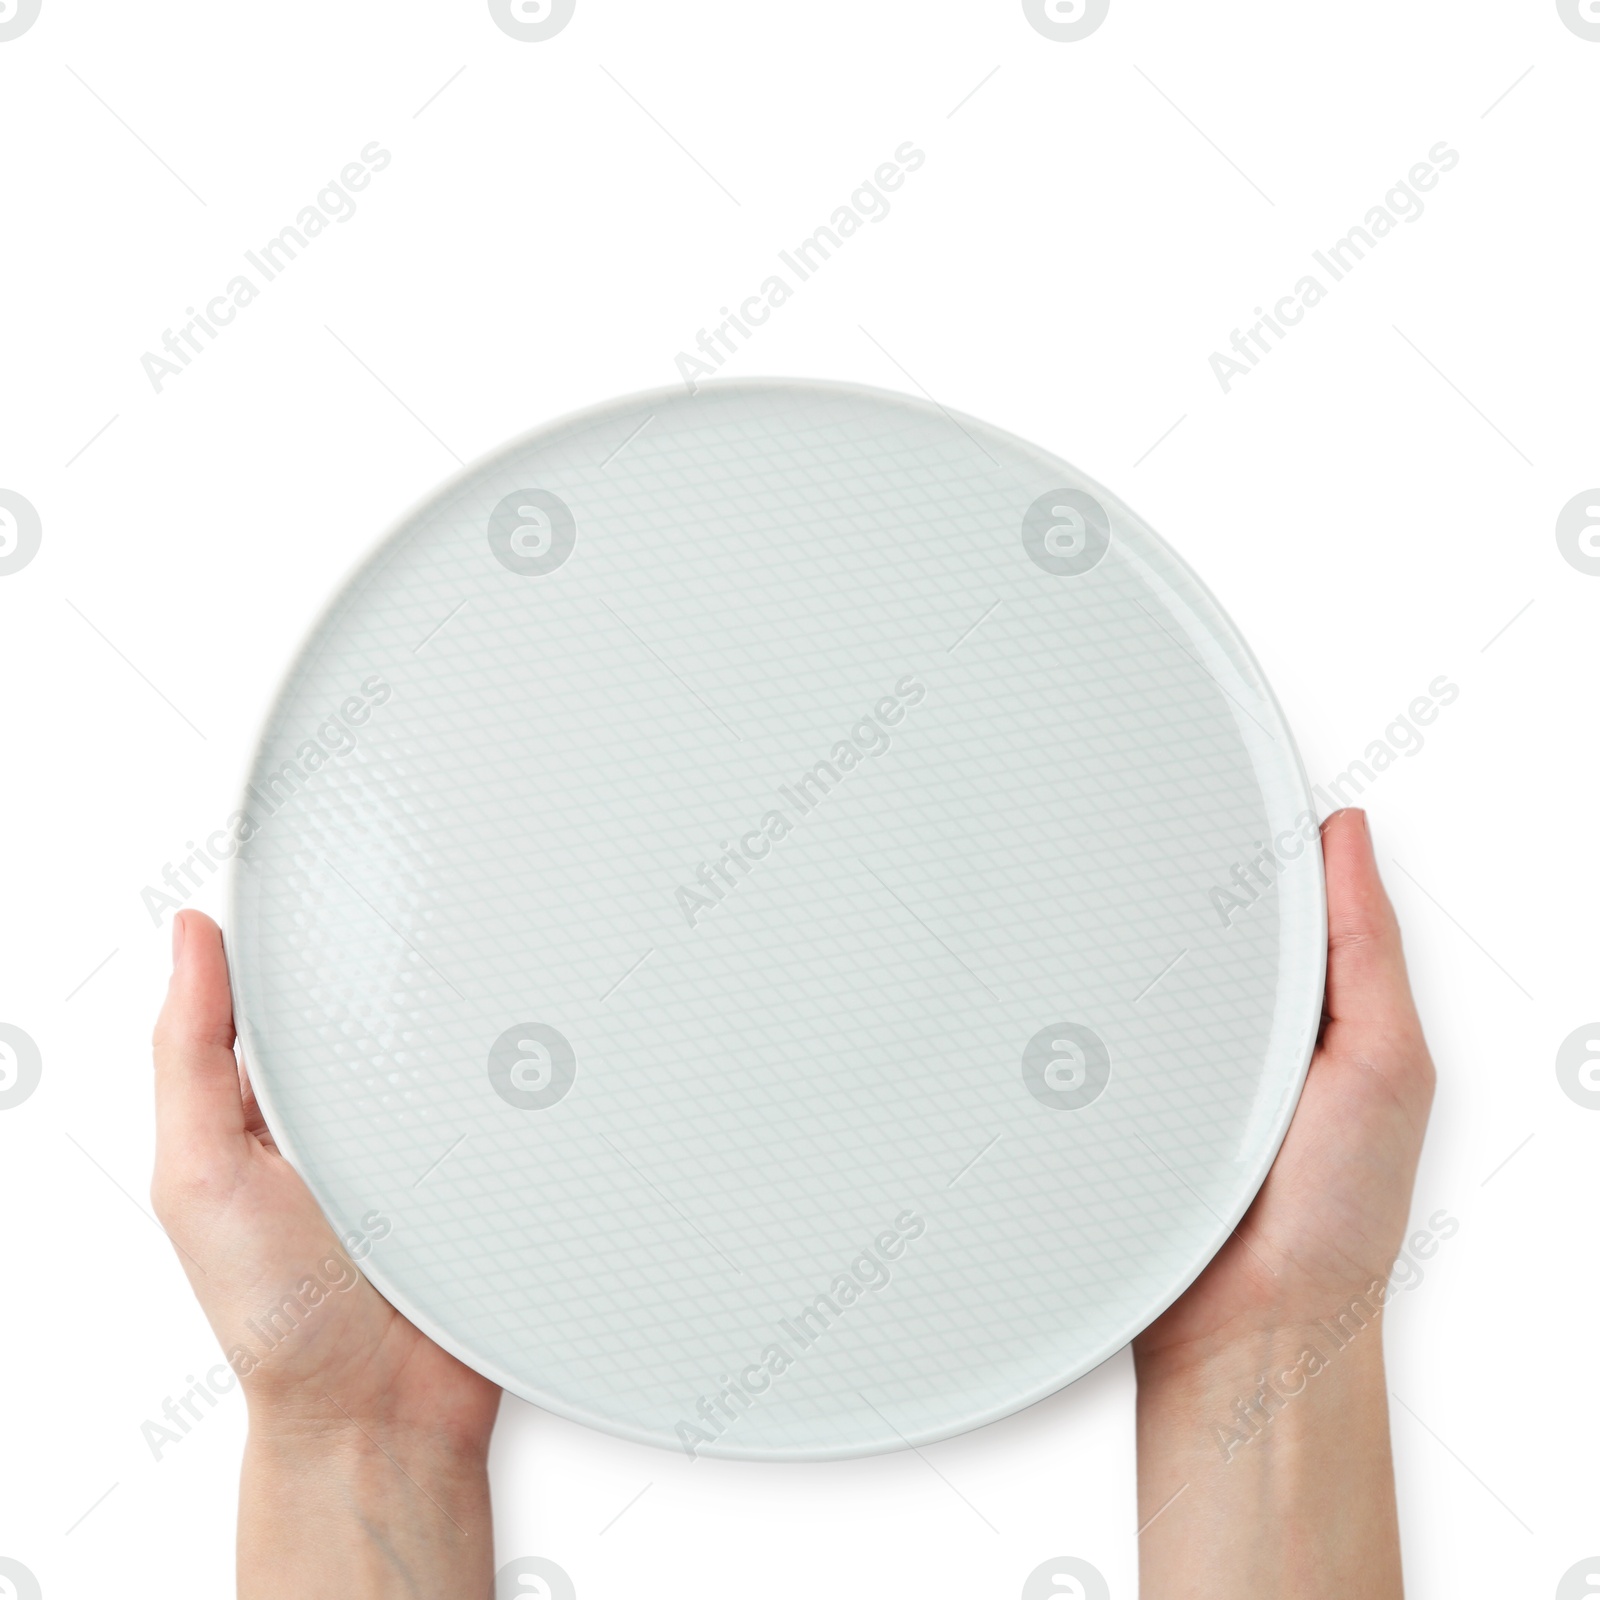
pixel 781 923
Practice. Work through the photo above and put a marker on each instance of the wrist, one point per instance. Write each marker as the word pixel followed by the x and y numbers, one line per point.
pixel 1283 1354
pixel 1269 1389
pixel 1264 1461
pixel 353 1452
pixel 317 1427
pixel 333 1506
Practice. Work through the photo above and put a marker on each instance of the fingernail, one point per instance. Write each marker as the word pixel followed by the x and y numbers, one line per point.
pixel 177 939
pixel 1366 826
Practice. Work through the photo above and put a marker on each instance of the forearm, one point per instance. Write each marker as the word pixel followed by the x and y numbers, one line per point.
pixel 1265 1472
pixel 341 1513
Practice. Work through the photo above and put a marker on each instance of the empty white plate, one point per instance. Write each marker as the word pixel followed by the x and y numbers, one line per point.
pixel 781 923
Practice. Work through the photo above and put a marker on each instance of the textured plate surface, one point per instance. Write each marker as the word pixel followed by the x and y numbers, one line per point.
pixel 781 923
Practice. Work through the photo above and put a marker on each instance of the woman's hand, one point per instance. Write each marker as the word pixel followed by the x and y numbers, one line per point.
pixel 365 1472
pixel 1264 1465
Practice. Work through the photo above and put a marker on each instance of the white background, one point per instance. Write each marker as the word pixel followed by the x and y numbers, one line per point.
pixel 1373 504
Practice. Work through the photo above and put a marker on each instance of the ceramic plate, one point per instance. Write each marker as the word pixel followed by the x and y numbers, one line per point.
pixel 780 923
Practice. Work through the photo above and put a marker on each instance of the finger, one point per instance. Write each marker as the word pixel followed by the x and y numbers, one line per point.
pixel 1368 991
pixel 198 1106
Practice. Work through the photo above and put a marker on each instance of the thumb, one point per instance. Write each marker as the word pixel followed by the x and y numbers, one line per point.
pixel 199 1110
pixel 1371 1016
